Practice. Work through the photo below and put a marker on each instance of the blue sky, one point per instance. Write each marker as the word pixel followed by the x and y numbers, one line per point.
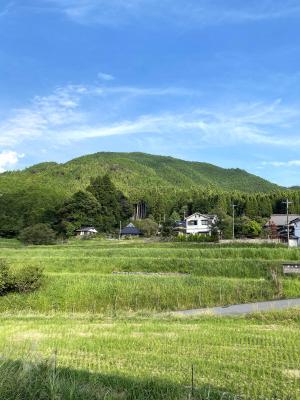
pixel 204 80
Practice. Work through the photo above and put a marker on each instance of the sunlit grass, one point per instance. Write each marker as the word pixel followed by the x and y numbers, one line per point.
pixel 253 358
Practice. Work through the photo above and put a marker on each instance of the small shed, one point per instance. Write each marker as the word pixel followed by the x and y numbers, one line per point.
pixel 86 231
pixel 130 230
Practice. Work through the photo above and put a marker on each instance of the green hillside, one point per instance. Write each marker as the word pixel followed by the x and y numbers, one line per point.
pixel 134 174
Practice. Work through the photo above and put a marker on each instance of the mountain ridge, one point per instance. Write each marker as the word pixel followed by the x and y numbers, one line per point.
pixel 133 171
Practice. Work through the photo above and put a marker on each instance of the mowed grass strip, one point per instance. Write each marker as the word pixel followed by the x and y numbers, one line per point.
pixel 234 358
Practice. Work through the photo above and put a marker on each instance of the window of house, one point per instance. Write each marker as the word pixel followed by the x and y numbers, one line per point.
pixel 204 222
pixel 193 223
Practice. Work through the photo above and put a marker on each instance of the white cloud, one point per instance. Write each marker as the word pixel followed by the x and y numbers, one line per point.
pixel 56 115
pixel 9 159
pixel 78 112
pixel 44 115
pixel 105 77
pixel 291 163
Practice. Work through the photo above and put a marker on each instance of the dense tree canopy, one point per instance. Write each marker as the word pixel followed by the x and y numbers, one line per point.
pixel 101 206
pixel 101 190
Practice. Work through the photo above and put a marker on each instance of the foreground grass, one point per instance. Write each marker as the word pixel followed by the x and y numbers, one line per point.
pixel 46 354
pixel 93 358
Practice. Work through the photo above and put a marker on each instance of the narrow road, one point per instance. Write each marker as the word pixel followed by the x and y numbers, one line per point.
pixel 239 309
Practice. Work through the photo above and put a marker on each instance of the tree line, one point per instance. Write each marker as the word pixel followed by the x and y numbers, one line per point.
pixel 102 205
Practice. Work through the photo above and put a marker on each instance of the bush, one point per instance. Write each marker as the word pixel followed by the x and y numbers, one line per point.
pixel 28 279
pixel 251 229
pixel 147 226
pixel 25 280
pixel 37 234
pixel 6 278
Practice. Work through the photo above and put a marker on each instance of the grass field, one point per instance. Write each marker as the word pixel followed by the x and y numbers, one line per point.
pixel 90 334
pixel 91 358
pixel 80 276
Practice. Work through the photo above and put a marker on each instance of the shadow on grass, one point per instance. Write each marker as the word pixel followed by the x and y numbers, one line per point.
pixel 21 380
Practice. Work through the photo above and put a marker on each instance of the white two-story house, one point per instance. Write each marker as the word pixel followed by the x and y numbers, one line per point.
pixel 295 237
pixel 200 224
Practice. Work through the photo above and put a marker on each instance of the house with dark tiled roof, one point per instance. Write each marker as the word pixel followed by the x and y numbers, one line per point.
pixel 130 230
pixel 280 225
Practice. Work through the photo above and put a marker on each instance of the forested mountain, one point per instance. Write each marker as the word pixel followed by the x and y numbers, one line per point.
pixel 165 185
pixel 133 173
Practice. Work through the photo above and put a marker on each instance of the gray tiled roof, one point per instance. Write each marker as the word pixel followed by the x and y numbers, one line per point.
pixel 281 219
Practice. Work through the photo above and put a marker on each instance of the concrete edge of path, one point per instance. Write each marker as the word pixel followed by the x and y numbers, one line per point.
pixel 240 309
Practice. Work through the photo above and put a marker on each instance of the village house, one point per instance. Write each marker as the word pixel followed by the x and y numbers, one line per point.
pixel 277 226
pixel 197 224
pixel 86 231
pixel 130 231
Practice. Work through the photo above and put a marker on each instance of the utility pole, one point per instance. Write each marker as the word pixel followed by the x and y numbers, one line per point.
pixel 233 218
pixel 120 230
pixel 287 203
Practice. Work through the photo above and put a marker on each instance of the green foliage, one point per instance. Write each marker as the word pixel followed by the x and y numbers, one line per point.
pixel 23 280
pixel 6 278
pixel 101 206
pixel 82 209
pixel 165 184
pixel 28 279
pixel 147 226
pixel 251 229
pixel 39 234
pixel 195 238
pixel 175 217
pixel 114 206
pixel 167 228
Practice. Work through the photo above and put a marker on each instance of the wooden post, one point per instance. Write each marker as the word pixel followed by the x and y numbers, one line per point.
pixel 120 230
pixel 193 381
pixel 233 217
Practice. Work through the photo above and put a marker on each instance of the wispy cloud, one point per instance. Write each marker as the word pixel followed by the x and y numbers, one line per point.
pixel 6 9
pixel 285 164
pixel 9 159
pixel 105 77
pixel 77 113
pixel 203 12
pixel 43 116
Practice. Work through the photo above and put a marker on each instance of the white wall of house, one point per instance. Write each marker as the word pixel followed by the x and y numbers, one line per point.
pixel 293 243
pixel 198 223
pixel 297 229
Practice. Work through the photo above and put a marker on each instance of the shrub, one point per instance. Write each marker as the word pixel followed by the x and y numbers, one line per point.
pixel 25 280
pixel 38 234
pixel 6 278
pixel 147 226
pixel 28 279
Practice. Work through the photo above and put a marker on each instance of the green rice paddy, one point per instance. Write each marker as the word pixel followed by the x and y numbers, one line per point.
pixel 89 333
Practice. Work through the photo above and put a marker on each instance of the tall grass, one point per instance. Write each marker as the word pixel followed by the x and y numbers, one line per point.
pixel 80 276
pixel 113 294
